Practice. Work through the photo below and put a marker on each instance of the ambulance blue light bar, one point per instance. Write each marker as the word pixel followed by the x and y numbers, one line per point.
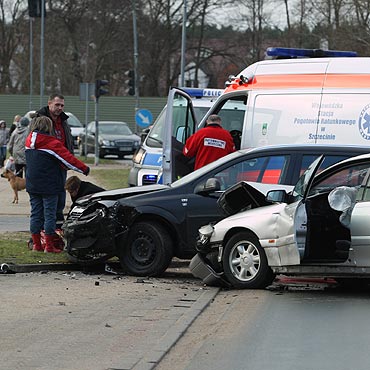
pixel 202 93
pixel 285 53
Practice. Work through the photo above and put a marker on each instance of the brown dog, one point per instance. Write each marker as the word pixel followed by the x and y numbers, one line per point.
pixel 17 183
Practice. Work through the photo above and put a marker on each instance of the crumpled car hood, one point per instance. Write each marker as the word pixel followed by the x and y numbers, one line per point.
pixel 247 195
pixel 121 193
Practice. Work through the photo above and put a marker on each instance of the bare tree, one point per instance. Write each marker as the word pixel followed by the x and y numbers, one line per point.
pixel 12 41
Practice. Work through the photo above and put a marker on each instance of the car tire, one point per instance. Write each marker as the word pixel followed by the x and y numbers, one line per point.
pixel 245 263
pixel 148 251
pixel 81 150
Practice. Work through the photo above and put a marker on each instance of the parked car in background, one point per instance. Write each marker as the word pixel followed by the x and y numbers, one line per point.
pixel 74 123
pixel 76 127
pixel 115 138
pixel 146 226
pixel 320 229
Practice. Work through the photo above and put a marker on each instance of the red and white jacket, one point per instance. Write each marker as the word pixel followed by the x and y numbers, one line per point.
pixel 46 159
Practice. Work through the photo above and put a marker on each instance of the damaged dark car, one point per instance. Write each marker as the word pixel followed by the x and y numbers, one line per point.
pixel 146 226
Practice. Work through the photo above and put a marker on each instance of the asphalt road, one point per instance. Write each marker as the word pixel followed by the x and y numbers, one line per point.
pixel 294 326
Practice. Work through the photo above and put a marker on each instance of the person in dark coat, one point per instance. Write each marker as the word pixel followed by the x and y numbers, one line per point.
pixel 55 111
pixel 77 188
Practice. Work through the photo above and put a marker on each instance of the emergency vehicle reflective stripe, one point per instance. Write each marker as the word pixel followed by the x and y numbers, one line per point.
pixel 348 81
pixel 303 81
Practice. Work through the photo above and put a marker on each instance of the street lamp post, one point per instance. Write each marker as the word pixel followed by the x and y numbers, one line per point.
pixel 183 46
pixel 42 53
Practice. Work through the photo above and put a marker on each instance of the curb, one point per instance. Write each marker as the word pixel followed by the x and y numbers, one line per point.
pixel 43 267
pixel 8 268
pixel 175 332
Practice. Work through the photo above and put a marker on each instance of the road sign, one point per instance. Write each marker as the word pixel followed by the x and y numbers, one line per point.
pixel 87 91
pixel 143 118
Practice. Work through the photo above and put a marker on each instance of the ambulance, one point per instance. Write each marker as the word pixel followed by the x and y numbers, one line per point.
pixel 147 160
pixel 313 96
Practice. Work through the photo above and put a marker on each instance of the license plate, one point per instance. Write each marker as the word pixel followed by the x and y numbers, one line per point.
pixel 125 148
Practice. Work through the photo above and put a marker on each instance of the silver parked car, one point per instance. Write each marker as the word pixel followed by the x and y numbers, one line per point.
pixel 320 228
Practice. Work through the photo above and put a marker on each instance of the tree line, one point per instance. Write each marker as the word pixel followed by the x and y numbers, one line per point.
pixel 85 40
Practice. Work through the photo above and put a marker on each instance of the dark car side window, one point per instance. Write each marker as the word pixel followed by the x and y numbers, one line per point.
pixel 269 170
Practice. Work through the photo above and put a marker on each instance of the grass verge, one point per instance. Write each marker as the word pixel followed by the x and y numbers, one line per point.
pixel 110 178
pixel 14 250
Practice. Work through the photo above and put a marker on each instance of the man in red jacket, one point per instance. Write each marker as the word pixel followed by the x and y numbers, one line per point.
pixel 209 143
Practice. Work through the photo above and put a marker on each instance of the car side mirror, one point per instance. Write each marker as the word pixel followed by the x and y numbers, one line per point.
pixel 210 186
pixel 277 196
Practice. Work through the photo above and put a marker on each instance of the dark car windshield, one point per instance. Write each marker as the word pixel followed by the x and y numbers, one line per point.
pixel 114 129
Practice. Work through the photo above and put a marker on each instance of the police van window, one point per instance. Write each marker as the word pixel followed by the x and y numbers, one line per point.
pixel 155 136
pixel 182 120
pixel 180 114
pixel 200 112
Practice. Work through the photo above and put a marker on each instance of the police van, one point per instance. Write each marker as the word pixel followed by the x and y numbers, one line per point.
pixel 148 158
pixel 313 96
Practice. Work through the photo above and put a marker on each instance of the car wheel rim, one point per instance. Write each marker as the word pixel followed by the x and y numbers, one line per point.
pixel 244 261
pixel 143 250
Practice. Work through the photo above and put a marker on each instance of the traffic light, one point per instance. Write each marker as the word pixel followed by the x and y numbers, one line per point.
pixel 34 8
pixel 130 82
pixel 98 88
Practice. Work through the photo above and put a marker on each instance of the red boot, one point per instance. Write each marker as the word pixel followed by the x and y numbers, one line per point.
pixel 36 241
pixel 51 246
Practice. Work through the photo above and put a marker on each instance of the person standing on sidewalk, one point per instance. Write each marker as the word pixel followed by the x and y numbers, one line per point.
pixel 55 111
pixel 14 125
pixel 4 138
pixel 45 156
pixel 16 146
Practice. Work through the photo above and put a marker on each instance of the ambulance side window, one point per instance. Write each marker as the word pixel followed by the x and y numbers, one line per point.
pixel 232 113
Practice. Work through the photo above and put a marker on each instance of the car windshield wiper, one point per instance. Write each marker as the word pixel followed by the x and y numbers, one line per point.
pixel 155 139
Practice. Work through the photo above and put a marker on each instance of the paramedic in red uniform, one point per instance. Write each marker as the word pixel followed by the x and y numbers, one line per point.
pixel 209 143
